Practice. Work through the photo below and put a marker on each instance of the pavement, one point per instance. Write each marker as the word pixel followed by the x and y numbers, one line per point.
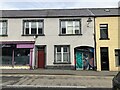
pixel 58 72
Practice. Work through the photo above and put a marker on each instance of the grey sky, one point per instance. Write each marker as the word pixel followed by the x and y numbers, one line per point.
pixel 50 4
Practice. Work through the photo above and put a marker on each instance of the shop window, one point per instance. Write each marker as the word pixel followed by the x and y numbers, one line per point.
pixel 6 56
pixel 22 56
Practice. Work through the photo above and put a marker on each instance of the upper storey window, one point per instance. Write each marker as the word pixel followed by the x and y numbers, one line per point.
pixel 68 27
pixel 3 27
pixel 33 27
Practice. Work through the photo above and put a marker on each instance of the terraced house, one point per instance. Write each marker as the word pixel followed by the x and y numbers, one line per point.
pixel 47 39
pixel 58 39
pixel 107 28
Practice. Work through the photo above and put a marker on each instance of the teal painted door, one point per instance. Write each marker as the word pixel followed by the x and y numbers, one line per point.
pixel 79 62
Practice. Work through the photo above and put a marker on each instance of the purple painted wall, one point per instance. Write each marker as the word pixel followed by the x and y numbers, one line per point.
pixel 25 45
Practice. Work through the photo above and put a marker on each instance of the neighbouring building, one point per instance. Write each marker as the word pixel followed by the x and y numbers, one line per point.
pixel 107 29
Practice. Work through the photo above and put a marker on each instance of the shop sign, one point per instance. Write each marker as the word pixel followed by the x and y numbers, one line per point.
pixel 7 46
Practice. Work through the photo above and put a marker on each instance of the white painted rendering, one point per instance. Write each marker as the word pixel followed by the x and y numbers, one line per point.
pixel 51 38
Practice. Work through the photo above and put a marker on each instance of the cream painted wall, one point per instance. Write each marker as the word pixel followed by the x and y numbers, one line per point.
pixel 112 44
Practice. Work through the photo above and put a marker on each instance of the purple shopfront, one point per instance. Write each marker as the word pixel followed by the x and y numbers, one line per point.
pixel 17 54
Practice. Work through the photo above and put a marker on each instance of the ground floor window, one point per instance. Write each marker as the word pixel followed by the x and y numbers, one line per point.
pixel 22 56
pixel 117 57
pixel 62 54
pixel 11 56
pixel 6 56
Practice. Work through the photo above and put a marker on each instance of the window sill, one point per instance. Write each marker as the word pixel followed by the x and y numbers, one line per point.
pixel 104 39
pixel 61 63
pixel 70 34
pixel 4 35
pixel 34 35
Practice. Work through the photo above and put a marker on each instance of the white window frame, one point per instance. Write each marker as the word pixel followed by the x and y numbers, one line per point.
pixel 105 27
pixel 73 25
pixel 1 27
pixel 30 21
pixel 62 53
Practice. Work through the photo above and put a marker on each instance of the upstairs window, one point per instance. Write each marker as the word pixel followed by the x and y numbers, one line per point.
pixel 103 31
pixel 70 27
pixel 33 27
pixel 3 27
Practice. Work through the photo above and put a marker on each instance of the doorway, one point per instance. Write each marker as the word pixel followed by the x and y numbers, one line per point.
pixel 41 57
pixel 84 58
pixel 104 58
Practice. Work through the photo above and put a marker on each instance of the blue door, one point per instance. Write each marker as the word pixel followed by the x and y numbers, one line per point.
pixel 79 62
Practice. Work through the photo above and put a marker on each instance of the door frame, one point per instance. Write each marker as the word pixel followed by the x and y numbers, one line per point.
pixel 44 49
pixel 107 68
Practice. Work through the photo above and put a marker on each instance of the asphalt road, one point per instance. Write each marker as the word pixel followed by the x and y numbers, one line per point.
pixel 56 82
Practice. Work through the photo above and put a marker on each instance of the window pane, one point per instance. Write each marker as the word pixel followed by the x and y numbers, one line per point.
pixel 65 57
pixel 63 25
pixel 58 57
pixel 63 30
pixel 70 23
pixel 117 57
pixel 104 33
pixel 77 24
pixel 40 31
pixel 27 31
pixel 40 24
pixel 6 56
pixel 65 49
pixel 103 26
pixel 3 28
pixel 33 30
pixel 4 24
pixel 22 56
pixel 33 25
pixel 27 24
pixel 4 31
pixel 69 30
pixel 58 49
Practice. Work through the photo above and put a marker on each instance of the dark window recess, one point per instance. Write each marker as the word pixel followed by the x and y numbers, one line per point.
pixel 33 31
pixel 64 49
pixel 6 57
pixel 40 31
pixel 27 31
pixel 77 32
pixel 104 31
pixel 58 49
pixel 63 30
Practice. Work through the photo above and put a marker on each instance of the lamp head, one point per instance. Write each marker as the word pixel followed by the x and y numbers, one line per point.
pixel 89 20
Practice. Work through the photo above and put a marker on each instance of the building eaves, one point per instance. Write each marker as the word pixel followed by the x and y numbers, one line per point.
pixel 60 13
